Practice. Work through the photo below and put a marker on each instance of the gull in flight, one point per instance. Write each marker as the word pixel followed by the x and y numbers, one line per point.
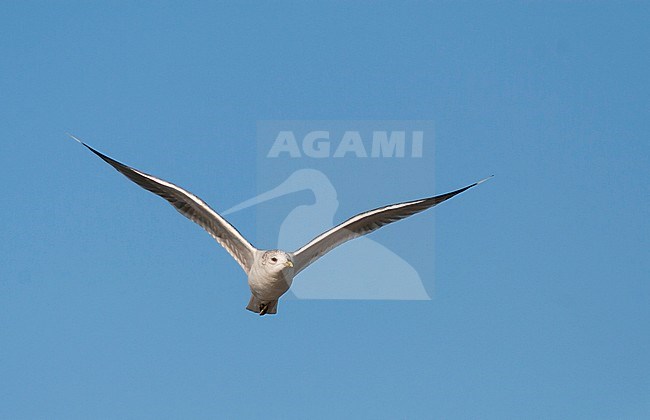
pixel 271 272
pixel 362 269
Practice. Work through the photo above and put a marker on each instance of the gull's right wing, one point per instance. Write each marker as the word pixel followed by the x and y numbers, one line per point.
pixel 364 223
pixel 191 207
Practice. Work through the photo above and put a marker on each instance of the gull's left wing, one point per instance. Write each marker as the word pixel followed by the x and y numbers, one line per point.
pixel 191 207
pixel 364 223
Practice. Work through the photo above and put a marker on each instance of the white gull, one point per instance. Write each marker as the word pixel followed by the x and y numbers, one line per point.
pixel 271 272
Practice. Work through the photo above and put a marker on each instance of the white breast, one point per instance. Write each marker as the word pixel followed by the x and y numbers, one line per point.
pixel 267 285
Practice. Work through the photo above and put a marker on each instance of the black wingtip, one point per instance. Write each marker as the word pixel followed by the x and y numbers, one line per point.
pixel 117 165
pixel 82 143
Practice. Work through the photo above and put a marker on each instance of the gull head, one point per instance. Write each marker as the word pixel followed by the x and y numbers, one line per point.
pixel 276 261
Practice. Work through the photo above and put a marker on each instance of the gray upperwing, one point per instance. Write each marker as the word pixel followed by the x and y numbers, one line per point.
pixel 191 207
pixel 365 223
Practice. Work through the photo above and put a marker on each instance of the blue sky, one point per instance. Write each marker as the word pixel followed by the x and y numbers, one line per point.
pixel 114 306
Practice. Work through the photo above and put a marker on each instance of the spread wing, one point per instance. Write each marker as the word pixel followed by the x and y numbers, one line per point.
pixel 191 207
pixel 364 223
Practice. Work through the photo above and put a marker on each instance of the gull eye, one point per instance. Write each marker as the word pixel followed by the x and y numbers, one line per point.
pixel 274 259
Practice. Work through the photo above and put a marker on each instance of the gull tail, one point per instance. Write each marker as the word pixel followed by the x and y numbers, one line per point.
pixel 256 305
